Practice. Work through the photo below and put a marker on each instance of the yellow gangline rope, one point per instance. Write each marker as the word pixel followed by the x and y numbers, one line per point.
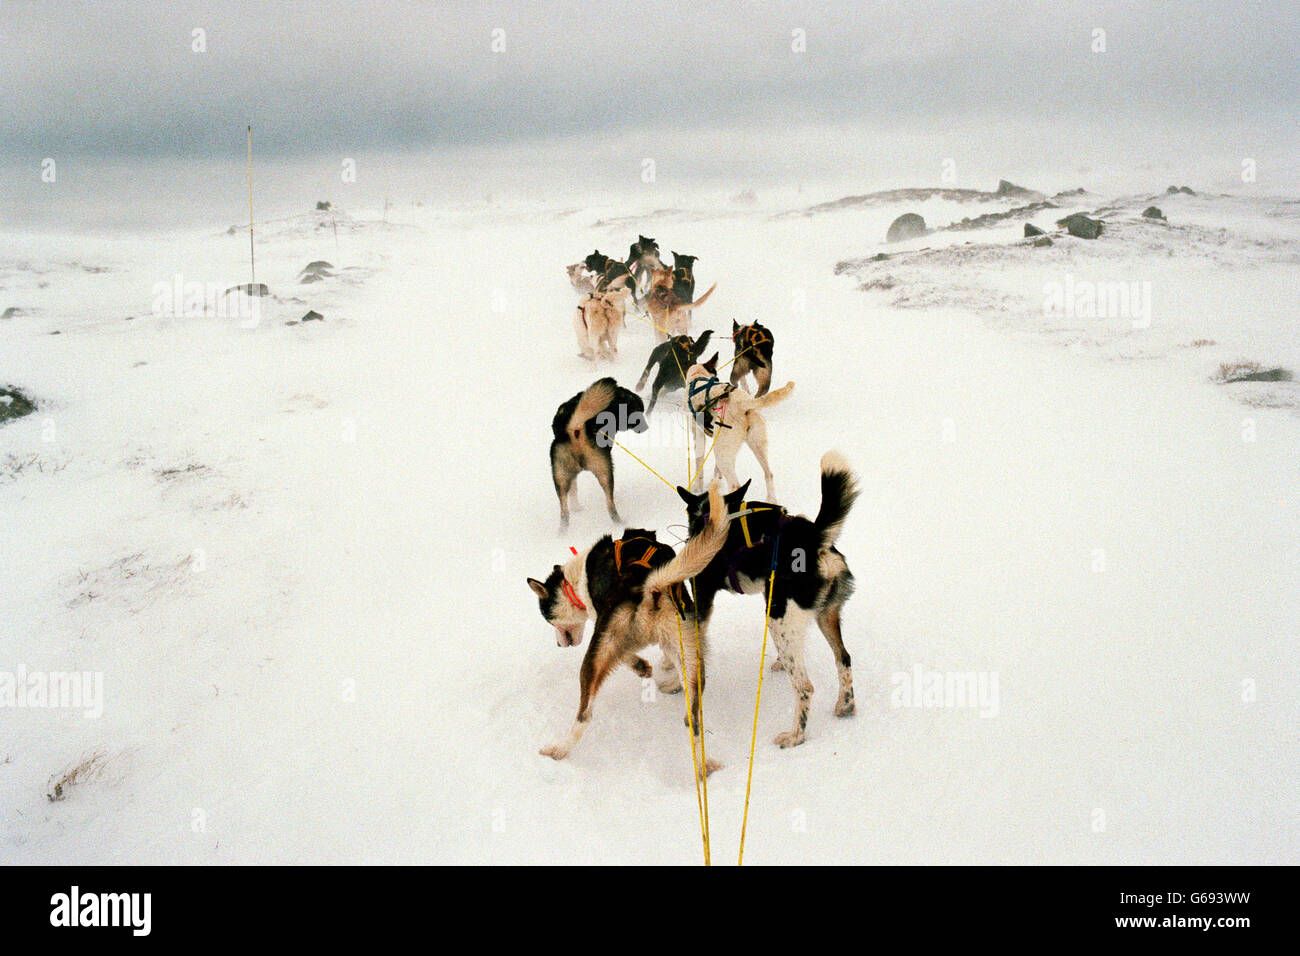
pixel 753 736
pixel 648 468
pixel 690 725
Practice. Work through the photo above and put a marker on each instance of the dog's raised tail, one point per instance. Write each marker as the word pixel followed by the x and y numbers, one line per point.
pixel 701 299
pixel 780 395
pixel 839 491
pixel 698 551
pixel 594 401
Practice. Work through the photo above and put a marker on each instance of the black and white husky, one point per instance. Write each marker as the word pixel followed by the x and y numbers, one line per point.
pixel 812 580
pixel 583 432
pixel 634 587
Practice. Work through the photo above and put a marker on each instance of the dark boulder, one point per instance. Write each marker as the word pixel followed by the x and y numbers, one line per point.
pixel 1080 226
pixel 322 206
pixel 1152 212
pixel 1011 189
pixel 1032 230
pixel 14 404
pixel 907 226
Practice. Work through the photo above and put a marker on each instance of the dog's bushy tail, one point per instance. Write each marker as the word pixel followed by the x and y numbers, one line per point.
pixel 839 491
pixel 780 395
pixel 698 551
pixel 594 401
pixel 701 300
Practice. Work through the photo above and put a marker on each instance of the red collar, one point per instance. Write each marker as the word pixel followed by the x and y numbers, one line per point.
pixel 571 593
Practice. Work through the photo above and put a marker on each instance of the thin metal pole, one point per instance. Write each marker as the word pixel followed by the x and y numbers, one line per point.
pixel 252 266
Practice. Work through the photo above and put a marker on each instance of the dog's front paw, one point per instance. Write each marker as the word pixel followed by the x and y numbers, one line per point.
pixel 555 751
pixel 788 739
pixel 844 707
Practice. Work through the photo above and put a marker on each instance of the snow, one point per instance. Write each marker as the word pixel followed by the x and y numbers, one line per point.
pixel 297 553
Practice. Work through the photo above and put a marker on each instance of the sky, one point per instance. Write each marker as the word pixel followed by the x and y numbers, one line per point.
pixel 715 91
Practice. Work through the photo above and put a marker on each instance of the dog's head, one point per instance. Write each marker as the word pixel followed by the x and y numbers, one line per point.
pixel 596 262
pixel 559 609
pixel 630 410
pixel 697 506
pixel 684 262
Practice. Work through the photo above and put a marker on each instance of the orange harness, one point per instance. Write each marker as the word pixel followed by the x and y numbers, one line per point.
pixel 753 337
pixel 643 561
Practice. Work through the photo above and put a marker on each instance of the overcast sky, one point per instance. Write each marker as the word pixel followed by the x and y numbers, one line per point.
pixel 120 78
pixel 830 96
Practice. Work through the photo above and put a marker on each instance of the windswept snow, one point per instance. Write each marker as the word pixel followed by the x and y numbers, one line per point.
pixel 296 553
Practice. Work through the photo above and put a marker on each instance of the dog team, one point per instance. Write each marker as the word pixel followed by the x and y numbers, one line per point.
pixel 634 586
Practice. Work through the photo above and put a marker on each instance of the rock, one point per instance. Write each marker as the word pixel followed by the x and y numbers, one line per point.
pixel 907 226
pixel 1081 226
pixel 14 404
pixel 1171 191
pixel 1040 241
pixel 1032 230
pixel 312 316
pixel 1187 190
pixel 12 312
pixel 322 206
pixel 1152 212
pixel 315 271
pixel 880 257
pixel 1252 372
pixel 1011 189
pixel 248 288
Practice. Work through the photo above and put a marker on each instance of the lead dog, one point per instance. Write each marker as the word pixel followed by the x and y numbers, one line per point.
pixel 583 430
pixel 638 600
pixel 641 258
pixel 809 578
pixel 735 415
pixel 598 321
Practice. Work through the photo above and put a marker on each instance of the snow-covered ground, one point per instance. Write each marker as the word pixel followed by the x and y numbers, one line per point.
pixel 297 553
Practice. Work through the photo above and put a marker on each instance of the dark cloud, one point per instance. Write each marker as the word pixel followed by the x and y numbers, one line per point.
pixel 120 79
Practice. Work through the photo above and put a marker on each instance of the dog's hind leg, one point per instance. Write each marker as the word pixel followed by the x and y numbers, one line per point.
pixel 601 657
pixel 580 330
pixel 756 439
pixel 575 504
pixel 656 356
pixel 602 466
pixel 788 633
pixel 828 619
pixel 563 487
pixel 694 677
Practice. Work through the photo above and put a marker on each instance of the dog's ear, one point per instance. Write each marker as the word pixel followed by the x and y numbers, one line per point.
pixel 735 327
pixel 538 587
pixel 686 496
pixel 712 364
pixel 734 498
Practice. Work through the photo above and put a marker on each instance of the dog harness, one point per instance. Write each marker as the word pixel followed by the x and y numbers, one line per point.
pixel 712 406
pixel 751 336
pixel 747 509
pixel 648 550
pixel 625 549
